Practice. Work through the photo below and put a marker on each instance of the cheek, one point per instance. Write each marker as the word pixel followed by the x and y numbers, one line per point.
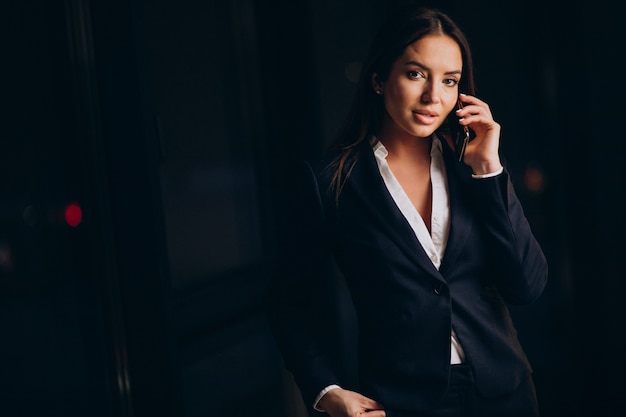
pixel 450 103
pixel 393 101
pixel 399 95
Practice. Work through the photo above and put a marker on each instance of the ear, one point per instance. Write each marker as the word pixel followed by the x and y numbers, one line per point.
pixel 377 84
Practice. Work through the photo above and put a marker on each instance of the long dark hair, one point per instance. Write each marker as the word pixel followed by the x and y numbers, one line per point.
pixel 403 26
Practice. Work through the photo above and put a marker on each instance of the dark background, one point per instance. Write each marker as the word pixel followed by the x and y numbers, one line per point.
pixel 173 125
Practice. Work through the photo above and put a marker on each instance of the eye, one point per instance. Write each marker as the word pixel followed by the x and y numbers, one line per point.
pixel 450 82
pixel 415 75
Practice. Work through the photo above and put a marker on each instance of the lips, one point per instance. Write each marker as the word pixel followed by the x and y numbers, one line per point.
pixel 425 117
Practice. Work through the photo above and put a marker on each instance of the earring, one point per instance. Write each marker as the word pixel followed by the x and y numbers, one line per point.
pixel 379 91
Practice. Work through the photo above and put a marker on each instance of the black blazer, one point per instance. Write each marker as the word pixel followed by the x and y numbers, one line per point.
pixel 405 307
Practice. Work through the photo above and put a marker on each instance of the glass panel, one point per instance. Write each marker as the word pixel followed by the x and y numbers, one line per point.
pixel 208 179
pixel 55 361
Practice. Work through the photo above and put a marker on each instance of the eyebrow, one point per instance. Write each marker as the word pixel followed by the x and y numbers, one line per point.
pixel 417 64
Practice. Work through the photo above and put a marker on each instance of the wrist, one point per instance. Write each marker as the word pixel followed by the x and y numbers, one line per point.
pixel 323 397
pixel 486 168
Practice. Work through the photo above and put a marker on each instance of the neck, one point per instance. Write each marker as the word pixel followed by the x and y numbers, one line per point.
pixel 407 148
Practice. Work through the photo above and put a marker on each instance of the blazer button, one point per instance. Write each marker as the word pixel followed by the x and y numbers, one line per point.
pixel 438 289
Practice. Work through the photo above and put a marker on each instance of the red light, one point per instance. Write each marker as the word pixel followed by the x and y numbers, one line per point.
pixel 73 214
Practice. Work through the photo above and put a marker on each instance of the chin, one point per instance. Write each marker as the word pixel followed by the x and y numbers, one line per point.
pixel 424 133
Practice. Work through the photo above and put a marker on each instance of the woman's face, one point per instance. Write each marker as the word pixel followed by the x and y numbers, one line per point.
pixel 422 87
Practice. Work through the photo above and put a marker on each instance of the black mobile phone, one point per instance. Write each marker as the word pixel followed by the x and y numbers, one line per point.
pixel 460 134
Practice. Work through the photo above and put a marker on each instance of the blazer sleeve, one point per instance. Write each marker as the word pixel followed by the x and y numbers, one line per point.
pixel 299 273
pixel 521 269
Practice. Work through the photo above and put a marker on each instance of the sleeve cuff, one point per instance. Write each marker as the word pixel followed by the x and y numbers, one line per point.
pixel 489 175
pixel 321 394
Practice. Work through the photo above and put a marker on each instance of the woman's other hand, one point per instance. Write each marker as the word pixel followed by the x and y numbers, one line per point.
pixel 345 403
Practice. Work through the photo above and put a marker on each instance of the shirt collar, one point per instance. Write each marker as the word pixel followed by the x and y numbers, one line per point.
pixel 381 152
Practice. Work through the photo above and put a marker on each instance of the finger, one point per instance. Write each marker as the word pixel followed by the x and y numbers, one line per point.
pixel 374 407
pixel 374 413
pixel 476 120
pixel 371 405
pixel 468 100
pixel 473 106
pixel 471 114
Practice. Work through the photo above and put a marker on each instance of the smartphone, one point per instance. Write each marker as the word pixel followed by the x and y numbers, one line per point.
pixel 461 136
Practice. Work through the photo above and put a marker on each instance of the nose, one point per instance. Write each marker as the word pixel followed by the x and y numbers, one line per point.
pixel 431 93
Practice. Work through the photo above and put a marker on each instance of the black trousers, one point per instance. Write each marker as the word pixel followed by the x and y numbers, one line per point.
pixel 462 400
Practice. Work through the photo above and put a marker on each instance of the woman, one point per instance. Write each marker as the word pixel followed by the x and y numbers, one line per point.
pixel 429 235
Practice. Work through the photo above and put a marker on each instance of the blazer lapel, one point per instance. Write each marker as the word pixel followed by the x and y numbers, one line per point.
pixel 369 187
pixel 461 220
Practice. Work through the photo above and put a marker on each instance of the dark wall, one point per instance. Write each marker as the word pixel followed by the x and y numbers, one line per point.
pixel 173 125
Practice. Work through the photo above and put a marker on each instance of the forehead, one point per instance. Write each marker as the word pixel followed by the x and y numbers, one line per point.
pixel 439 52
